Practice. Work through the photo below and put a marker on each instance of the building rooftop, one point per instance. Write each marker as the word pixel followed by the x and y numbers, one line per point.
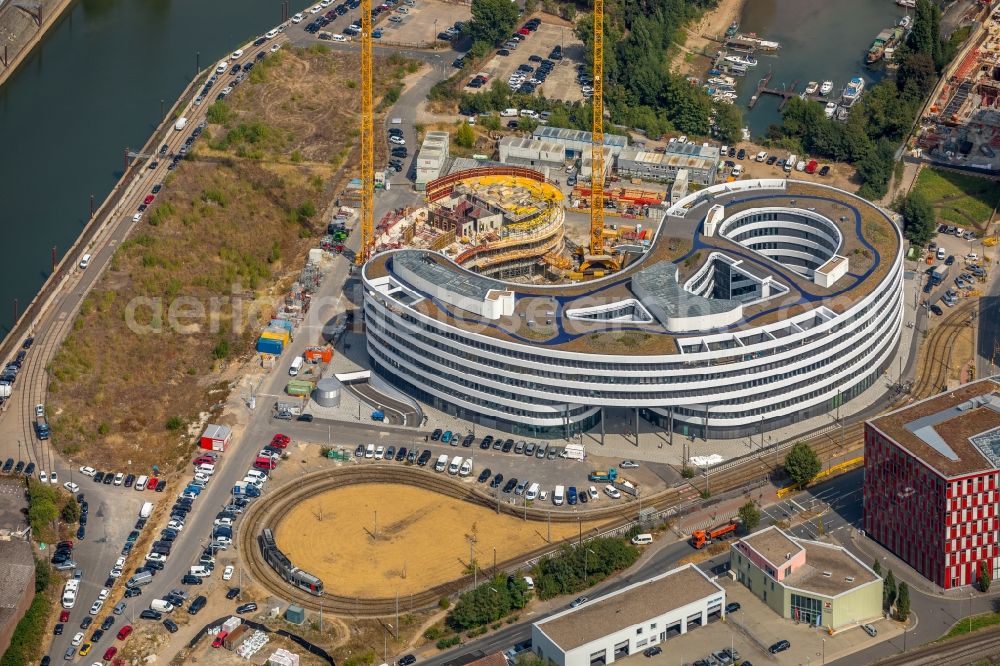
pixel 564 134
pixel 954 433
pixel 773 545
pixel 629 606
pixel 13 505
pixel 17 571
pixel 869 237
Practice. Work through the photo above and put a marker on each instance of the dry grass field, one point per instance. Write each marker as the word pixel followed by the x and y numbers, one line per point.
pixel 423 539
pixel 233 222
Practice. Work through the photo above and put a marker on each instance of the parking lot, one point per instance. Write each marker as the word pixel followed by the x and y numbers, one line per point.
pixel 755 627
pixel 561 83
pixel 422 22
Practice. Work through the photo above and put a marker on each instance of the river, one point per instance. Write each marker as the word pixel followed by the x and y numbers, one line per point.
pixel 92 88
pixel 820 40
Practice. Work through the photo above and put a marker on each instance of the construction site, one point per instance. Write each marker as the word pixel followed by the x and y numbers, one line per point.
pixel 962 125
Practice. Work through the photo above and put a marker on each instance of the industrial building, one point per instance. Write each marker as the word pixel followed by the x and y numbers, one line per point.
pixel 931 475
pixel 701 161
pixel 629 620
pixel 788 310
pixel 807 581
pixel 525 151
pixel 577 143
pixel 432 158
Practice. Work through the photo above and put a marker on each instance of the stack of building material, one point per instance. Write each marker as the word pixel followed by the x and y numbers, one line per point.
pixel 229 625
pixel 283 657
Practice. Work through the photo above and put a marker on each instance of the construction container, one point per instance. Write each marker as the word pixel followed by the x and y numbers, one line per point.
pixel 299 388
pixel 216 437
pixel 278 334
pixel 295 614
pixel 324 354
pixel 269 346
pixel 281 323
pixel 229 625
pixel 235 637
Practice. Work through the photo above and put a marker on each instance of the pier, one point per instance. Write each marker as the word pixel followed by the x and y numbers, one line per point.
pixel 785 93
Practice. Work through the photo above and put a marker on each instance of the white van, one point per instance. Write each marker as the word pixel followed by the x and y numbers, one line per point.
pixel 161 606
pixel 85 261
pixel 642 539
pixel 801 166
pixel 456 464
pixel 558 495
pixel 256 476
pixel 370 451
pixel 223 66
pixel 508 113
pixel 147 510
pixel 532 492
pixel 790 163
pixel 296 364
pixel 737 171
pixel 466 469
pixel 271 34
pixel 200 571
pixel 442 463
pixel 140 483
pixel 140 579
pixel 529 113
pixel 181 123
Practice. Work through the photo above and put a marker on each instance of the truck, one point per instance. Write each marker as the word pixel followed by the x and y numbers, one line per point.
pixel 626 486
pixel 701 538
pixel 244 489
pixel 574 452
pixel 604 476
pixel 42 427
pixel 939 274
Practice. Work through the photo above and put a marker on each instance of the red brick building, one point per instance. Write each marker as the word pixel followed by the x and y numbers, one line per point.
pixel 931 483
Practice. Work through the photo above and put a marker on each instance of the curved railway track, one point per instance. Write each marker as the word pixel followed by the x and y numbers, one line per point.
pixel 968 649
pixel 932 375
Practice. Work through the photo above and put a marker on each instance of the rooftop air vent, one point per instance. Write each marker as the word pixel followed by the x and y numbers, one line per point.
pixel 827 574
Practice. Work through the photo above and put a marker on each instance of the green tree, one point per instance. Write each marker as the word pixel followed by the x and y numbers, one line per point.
pixel 465 137
pixel 71 511
pixel 492 20
pixel 729 122
pixel 921 36
pixel 802 464
pixel 43 574
pixel 985 578
pixel 903 602
pixel 918 218
pixel 218 113
pixel 888 591
pixel 749 516
pixel 916 76
pixel 42 507
pixel 877 568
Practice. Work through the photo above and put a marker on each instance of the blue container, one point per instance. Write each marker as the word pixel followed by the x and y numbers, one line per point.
pixel 283 323
pixel 269 346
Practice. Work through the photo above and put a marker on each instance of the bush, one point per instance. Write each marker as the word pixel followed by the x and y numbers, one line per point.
pixel 488 602
pixel 687 472
pixel 42 507
pixel 433 633
pixel 444 603
pixel 29 634
pixel 221 349
pixel 446 643
pixel 175 423
pixel 43 574
pixel 575 569
pixel 71 511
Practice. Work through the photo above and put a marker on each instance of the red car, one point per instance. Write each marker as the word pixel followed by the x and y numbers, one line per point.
pixel 203 460
pixel 149 199
pixel 524 31
pixel 152 483
pixel 265 464
pixel 64 616
pixel 280 441
pixel 125 632
pixel 110 653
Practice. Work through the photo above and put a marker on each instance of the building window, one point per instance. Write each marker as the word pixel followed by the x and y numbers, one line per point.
pixel 788 571
pixel 638 632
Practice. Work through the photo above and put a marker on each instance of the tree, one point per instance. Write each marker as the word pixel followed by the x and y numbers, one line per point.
pixel 916 75
pixel 985 578
pixel 918 218
pixel 729 121
pixel 903 602
pixel 877 568
pixel 749 516
pixel 71 511
pixel 492 20
pixel 888 591
pixel 802 464
pixel 465 137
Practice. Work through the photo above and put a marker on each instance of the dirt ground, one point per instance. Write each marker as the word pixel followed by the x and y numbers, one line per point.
pixel 422 538
pixel 698 38
pixel 221 228
pixel 423 22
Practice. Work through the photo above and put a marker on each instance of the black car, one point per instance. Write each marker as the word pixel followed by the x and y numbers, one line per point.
pixel 126 549
pixel 58 629
pixel 507 445
pixel 153 565
pixel 87 621
pixel 19 467
pixel 485 444
pixel 467 442
pixel 188 579
pixel 259 41
pixel 780 646
pixel 485 474
pixel 198 603
pixel 936 309
pixel 132 592
pixel 170 625
pixel 407 660
pixel 81 533
pixel 109 622
pixel 436 435
pixel 458 63
pixel 30 469
pixel 305 417
pixel 174 600
pixel 732 607
pixel 97 635
pixel 161 486
pixel 233 593
pixel 497 480
pixel 653 651
pixel 503 52
pixel 150 614
pixel 395 131
pixel 108 478
pixel 825 170
pixel 99 477
pixel 741 155
pixel 399 151
pixel 9 465
pixel 401 454
pixel 247 608
pixel 424 458
pixel 509 486
pixel 109 582
pixel 129 480
pixel 771 160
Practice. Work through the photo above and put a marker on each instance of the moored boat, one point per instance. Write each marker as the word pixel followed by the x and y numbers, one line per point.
pixel 826 88
pixel 746 61
pixel 853 90
pixel 812 88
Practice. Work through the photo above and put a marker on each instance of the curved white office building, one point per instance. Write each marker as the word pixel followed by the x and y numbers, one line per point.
pixel 758 304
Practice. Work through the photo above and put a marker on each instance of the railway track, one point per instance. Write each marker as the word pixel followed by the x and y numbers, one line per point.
pixel 932 375
pixel 969 649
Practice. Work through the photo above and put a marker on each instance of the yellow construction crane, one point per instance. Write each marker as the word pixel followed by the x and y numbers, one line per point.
pixel 597 144
pixel 367 221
